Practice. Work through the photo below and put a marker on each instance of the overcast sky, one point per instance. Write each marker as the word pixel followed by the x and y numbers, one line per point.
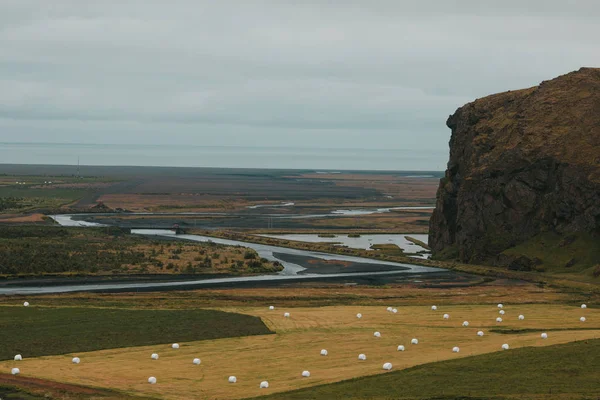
pixel 374 74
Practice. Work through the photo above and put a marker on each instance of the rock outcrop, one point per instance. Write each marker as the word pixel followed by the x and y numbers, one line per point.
pixel 521 163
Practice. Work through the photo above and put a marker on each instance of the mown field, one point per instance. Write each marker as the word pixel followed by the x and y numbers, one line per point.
pixel 566 371
pixel 39 331
pixel 295 347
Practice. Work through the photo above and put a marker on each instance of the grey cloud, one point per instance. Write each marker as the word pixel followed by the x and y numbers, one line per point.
pixel 278 72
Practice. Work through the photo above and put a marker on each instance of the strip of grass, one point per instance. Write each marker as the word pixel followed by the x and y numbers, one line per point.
pixel 33 332
pixel 569 371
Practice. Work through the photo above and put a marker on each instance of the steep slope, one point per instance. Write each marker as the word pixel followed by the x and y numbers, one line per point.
pixel 522 163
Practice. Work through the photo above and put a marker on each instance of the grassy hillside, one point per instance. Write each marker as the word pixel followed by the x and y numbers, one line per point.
pixel 568 371
pixel 33 331
pixel 573 255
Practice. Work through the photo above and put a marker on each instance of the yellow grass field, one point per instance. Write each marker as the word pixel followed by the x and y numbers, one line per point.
pixel 281 358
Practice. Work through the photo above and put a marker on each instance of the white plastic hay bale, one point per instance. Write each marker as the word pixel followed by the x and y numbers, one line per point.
pixel 387 366
pixel 498 319
pixel 521 317
pixel 583 306
pixel 505 346
pixel 466 323
pixel 271 307
pixel 362 357
pixel 75 360
pixel 480 333
pixel 232 379
pixel 15 371
pixel 394 310
pixel 501 312
pixel 175 345
pixel 400 348
pixel 500 305
pixel 154 356
pixel 18 357
pixel 455 349
pixel 414 341
pixel 544 335
pixel 196 361
pixel 377 334
pixel 359 315
pixel 286 315
pixel 389 309
pixel 433 308
pixel 582 319
pixel 446 316
pixel 26 304
pixel 306 374
pixel 264 385
pixel 152 380
pixel 324 352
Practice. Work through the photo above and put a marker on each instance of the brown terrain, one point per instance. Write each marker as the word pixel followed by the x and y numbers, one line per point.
pixel 524 172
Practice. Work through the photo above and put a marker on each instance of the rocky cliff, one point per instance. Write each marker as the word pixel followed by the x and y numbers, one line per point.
pixel 521 163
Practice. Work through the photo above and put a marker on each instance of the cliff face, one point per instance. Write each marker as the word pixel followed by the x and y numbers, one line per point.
pixel 521 163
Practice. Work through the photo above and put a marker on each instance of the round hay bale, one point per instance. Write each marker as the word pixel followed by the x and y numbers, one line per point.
pixel 480 333
pixel 362 357
pixel 359 315
pixel 401 348
pixel 583 306
pixel 521 317
pixel 324 352
pixel 154 356
pixel 544 335
pixel 465 323
pixel 505 346
pixel 394 310
pixel 271 307
pixel 501 312
pixel 433 308
pixel 446 316
pixel 15 371
pixel 152 380
pixel 389 309
pixel 75 360
pixel 196 361
pixel 414 341
pixel 500 305
pixel 232 379
pixel 26 304
pixel 377 334
pixel 455 349
pixel 387 366
pixel 582 319
pixel 286 315
pixel 18 357
pixel 264 385
pixel 498 319
pixel 175 346
pixel 306 374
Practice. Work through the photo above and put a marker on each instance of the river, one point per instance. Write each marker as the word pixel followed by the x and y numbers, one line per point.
pixel 291 272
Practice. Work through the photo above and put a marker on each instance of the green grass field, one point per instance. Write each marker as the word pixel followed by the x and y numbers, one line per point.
pixel 567 371
pixel 33 331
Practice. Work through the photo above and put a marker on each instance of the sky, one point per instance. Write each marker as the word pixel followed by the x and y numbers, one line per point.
pixel 374 74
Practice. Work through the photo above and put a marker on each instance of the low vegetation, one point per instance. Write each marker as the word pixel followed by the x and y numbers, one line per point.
pixel 42 250
pixel 563 371
pixel 34 331
pixel 575 255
